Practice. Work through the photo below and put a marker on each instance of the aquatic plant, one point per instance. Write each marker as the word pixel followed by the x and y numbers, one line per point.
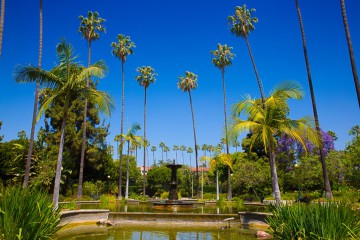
pixel 27 214
pixel 322 220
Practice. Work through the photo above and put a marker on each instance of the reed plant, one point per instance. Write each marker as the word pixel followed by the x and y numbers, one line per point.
pixel 27 214
pixel 327 220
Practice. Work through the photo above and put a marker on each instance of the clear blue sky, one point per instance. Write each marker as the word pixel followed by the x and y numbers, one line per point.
pixel 176 36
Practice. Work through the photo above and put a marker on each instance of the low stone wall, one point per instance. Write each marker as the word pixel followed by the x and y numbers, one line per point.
pixel 169 217
pixel 75 216
pixel 253 218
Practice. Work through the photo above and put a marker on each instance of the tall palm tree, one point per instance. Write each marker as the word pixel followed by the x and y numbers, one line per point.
pixel 242 23
pixel 67 83
pixel 190 150
pixel 166 150
pixel 222 59
pixel 2 21
pixel 90 29
pixel 130 138
pixel 204 148
pixel 176 148
pixel 267 123
pixel 162 146
pixel 351 51
pixel 153 149
pixel 182 149
pixel 36 100
pixel 327 186
pixel 121 50
pixel 186 84
pixel 145 78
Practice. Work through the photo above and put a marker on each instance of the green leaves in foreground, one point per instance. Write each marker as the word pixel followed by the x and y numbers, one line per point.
pixel 27 214
pixel 327 220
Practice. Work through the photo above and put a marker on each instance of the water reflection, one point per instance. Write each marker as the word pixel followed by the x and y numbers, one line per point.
pixel 153 232
pixel 147 207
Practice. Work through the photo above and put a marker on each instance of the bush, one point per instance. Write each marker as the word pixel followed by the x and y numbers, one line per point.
pixel 107 198
pixel 327 220
pixel 238 202
pixel 27 214
pixel 165 195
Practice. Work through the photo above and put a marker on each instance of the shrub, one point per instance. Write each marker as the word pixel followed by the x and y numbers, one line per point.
pixel 327 220
pixel 238 202
pixel 165 195
pixel 107 198
pixel 27 214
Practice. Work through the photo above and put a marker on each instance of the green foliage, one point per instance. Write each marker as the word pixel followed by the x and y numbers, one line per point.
pixel 158 179
pixel 28 214
pixel 237 202
pixel 251 175
pixel 106 199
pixel 165 195
pixel 327 220
pixel 69 205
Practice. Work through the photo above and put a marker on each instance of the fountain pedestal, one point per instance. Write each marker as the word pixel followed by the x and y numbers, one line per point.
pixel 173 194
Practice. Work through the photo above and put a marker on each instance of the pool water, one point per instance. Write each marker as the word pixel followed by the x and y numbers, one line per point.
pixel 147 207
pixel 154 231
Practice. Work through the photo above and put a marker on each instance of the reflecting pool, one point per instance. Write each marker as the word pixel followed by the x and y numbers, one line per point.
pixel 198 208
pixel 151 231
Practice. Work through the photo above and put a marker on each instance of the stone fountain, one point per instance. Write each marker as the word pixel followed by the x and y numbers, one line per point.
pixel 173 200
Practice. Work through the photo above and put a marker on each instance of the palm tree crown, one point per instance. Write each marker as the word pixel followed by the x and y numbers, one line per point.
pixel 242 22
pixel 222 56
pixel 91 26
pixel 123 47
pixel 146 77
pixel 189 82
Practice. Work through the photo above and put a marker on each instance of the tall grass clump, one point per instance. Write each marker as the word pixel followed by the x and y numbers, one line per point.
pixel 27 214
pixel 327 220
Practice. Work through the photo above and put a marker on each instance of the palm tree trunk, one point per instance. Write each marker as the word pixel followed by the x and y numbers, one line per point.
pixel 60 156
pixel 144 175
pixel 217 185
pixel 154 158
pixel 162 154
pixel 327 186
pixel 256 72
pixel 127 172
pixel 83 142
pixel 121 125
pixel 351 51
pixel 229 195
pixel 36 100
pixel 274 176
pixel 2 19
pixel 196 150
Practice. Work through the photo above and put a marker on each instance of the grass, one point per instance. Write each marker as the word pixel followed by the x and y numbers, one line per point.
pixel 328 220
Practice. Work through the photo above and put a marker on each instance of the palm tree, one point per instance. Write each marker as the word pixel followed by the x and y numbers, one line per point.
pixel 67 82
pixel 2 19
pixel 222 59
pixel 204 148
pixel 236 144
pixel 176 148
pixel 146 77
pixel 153 149
pixel 182 149
pixel 242 23
pixel 190 150
pixel 267 123
pixel 186 84
pixel 166 150
pixel 90 29
pixel 327 186
pixel 130 138
pixel 162 146
pixel 121 50
pixel 36 100
pixel 351 51
pixel 214 165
